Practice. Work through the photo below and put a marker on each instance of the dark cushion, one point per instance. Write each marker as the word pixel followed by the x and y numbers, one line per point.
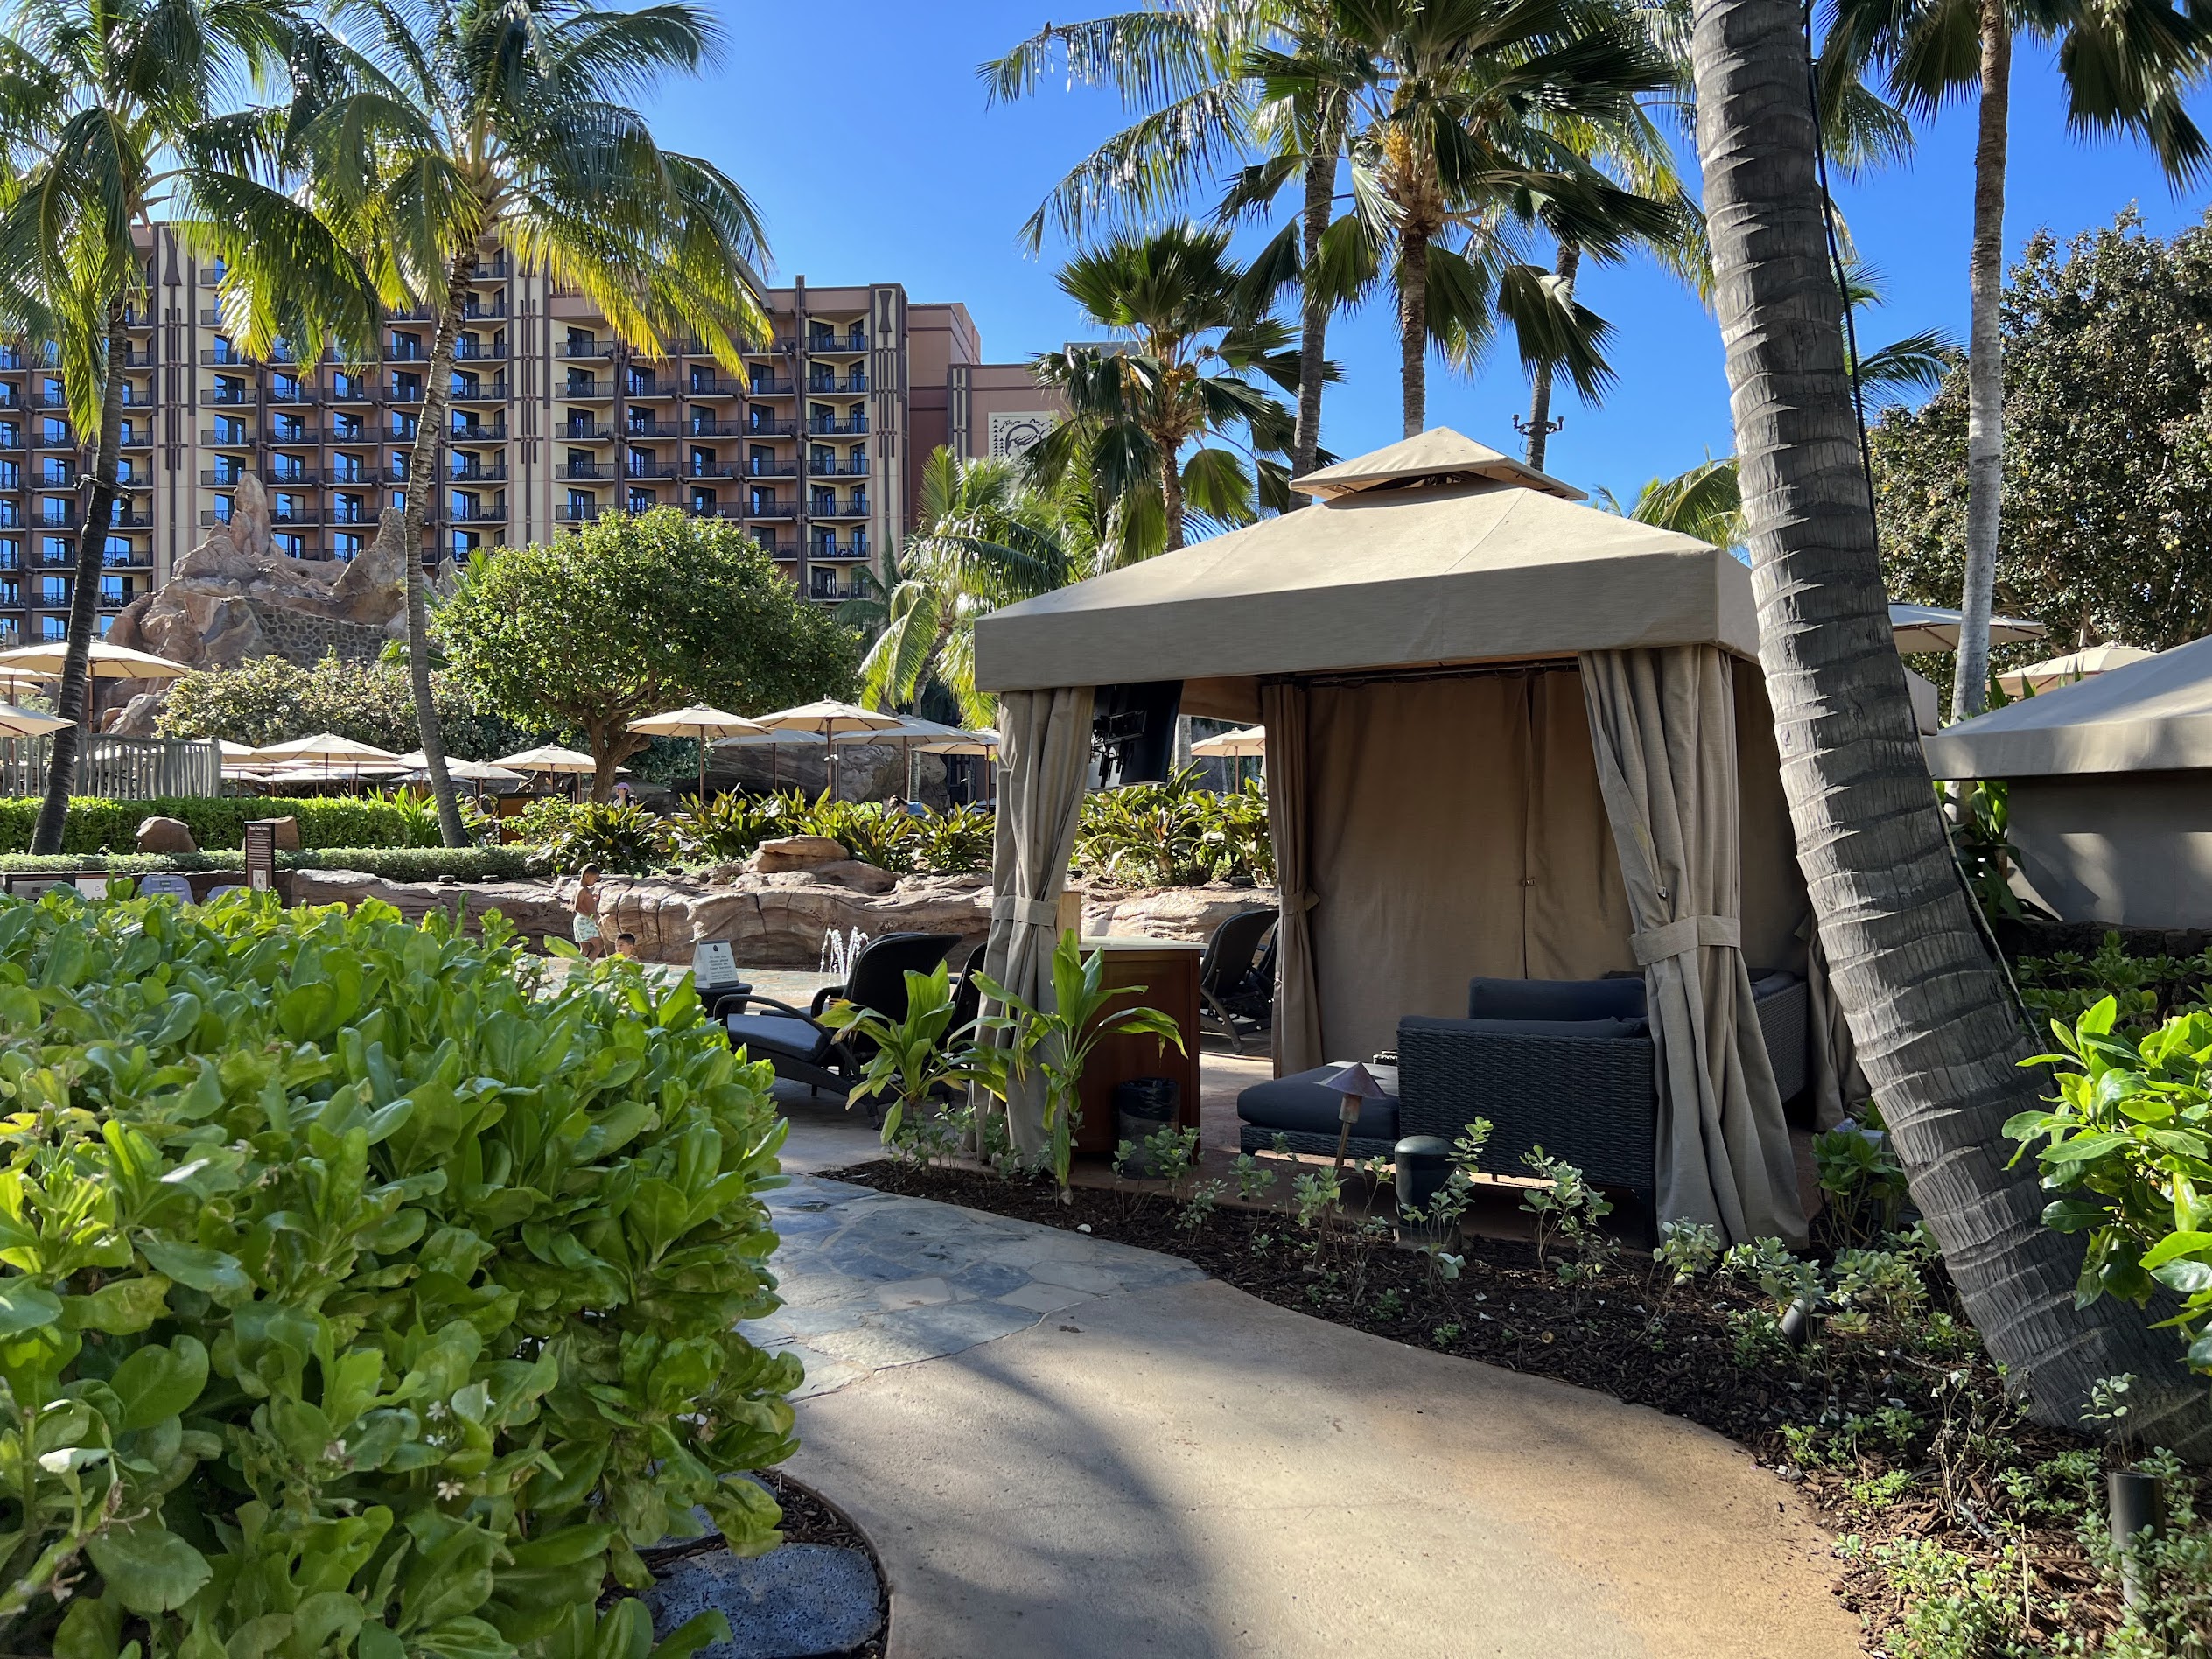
pixel 1299 1104
pixel 1614 1030
pixel 772 1035
pixel 1766 985
pixel 1555 998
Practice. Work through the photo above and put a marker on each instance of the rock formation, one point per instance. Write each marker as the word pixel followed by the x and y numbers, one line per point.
pixel 234 597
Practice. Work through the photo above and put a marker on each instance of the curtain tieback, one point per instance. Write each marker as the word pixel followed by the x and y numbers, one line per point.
pixel 1034 912
pixel 1680 938
pixel 1301 900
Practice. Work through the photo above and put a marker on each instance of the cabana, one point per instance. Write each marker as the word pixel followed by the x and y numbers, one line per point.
pixel 1507 735
pixel 2111 790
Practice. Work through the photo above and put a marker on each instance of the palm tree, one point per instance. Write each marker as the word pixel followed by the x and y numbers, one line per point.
pixel 448 125
pixel 1186 68
pixel 983 538
pixel 1194 330
pixel 1707 502
pixel 1465 119
pixel 110 114
pixel 2126 66
pixel 1936 1031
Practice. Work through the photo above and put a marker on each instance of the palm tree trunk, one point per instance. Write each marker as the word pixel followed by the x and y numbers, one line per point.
pixel 1313 321
pixel 1413 328
pixel 1985 369
pixel 1935 1033
pixel 422 478
pixel 1540 399
pixel 1171 490
pixel 74 701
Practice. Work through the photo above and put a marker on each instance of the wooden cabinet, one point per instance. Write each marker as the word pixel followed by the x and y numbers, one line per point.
pixel 1167 969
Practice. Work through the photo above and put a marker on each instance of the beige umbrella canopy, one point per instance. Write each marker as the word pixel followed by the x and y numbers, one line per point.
pixel 548 757
pixel 107 661
pixel 1929 627
pixel 1247 740
pixel 698 720
pixel 981 742
pixel 2054 672
pixel 829 719
pixel 22 723
pixel 415 761
pixel 332 750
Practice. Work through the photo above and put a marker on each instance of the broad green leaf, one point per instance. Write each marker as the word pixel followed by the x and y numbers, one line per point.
pixel 218 1274
pixel 157 1383
pixel 119 1307
pixel 147 1568
pixel 25 1306
pixel 2175 1244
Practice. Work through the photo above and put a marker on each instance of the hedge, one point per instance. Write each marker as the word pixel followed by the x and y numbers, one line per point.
pixel 366 1294
pixel 393 864
pixel 218 823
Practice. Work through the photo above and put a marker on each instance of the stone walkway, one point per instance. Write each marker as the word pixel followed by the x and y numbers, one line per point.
pixel 871 1280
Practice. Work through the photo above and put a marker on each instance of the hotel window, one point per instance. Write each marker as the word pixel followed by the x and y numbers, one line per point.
pixel 230 429
pixel 344 544
pixel 10 476
pixel 229 388
pixel 288 429
pixel 222 509
pixel 228 469
pixel 348 509
pixel 287 510
pixel 57 549
pixel 466 543
pixel 55 473
pixel 346 429
pixel 346 469
pixel 583 504
pixel 408 388
pixel 10 513
pixel 403 426
pixel 581 463
pixel 290 544
pixel 53 590
pixel 641 500
pixel 10 590
pixel 11 552
pixel 51 628
pixel 345 385
pixel 119 550
pixel 55 431
pixel 287 468
pixel 115 590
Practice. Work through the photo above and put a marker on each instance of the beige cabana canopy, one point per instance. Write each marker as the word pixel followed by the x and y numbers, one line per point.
pixel 2111 790
pixel 1507 735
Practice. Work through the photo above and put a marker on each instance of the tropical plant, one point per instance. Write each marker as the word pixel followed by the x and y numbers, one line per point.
pixel 1935 1029
pixel 2127 66
pixel 983 537
pixel 1472 124
pixel 956 842
pixel 443 126
pixel 110 114
pixel 874 831
pixel 365 1293
pixel 1175 833
pixel 1194 333
pixel 631 614
pixel 266 700
pixel 619 837
pixel 912 1060
pixel 1056 1047
pixel 1189 68
pixel 724 828
pixel 2107 519
pixel 2126 1145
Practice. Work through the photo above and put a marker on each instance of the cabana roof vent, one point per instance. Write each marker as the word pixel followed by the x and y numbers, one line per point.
pixel 1437 456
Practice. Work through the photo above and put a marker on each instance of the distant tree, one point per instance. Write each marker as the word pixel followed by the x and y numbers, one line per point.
pixel 2107 521
pixel 272 700
pixel 632 614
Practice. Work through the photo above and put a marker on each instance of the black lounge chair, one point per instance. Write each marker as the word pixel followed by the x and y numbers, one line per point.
pixel 805 1050
pixel 1236 979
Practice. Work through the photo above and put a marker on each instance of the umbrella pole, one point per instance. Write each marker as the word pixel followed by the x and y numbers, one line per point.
pixel 702 769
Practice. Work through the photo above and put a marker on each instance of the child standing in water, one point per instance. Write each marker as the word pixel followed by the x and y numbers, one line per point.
pixel 584 927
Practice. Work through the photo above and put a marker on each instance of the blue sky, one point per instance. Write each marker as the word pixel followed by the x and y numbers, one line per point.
pixel 863 134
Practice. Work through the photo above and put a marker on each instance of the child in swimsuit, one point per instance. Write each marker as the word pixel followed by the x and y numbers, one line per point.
pixel 584 927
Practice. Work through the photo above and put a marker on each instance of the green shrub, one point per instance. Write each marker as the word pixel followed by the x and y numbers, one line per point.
pixel 2144 990
pixel 870 830
pixel 1173 834
pixel 393 864
pixel 724 828
pixel 539 822
pixel 956 842
pixel 362 1294
pixel 218 823
pixel 617 837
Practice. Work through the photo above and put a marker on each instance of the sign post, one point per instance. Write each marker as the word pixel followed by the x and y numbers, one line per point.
pixel 261 855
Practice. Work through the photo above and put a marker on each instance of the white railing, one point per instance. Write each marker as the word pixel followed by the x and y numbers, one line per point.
pixel 118 768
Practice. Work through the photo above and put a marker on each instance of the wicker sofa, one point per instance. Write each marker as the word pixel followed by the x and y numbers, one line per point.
pixel 1566 1065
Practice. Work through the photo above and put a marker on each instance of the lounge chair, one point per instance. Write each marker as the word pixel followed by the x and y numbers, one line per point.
pixel 1230 986
pixel 805 1050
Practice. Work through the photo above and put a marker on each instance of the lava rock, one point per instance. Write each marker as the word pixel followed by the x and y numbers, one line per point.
pixel 165 834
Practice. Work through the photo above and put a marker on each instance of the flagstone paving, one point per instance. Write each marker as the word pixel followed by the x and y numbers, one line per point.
pixel 871 1280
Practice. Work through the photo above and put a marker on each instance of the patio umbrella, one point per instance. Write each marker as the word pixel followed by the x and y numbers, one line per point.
pixel 980 742
pixel 1235 746
pixel 479 773
pixel 22 723
pixel 1929 627
pixel 700 722
pixel 912 730
pixel 2054 672
pixel 827 719
pixel 549 757
pixel 327 747
pixel 107 661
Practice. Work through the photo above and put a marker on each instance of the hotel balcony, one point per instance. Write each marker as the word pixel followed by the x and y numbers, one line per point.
pixel 852 385
pixel 484 392
pixel 839 510
pixel 831 426
pixel 771 507
pixel 481 513
pixel 770 469
pixel 633 427
pixel 584 348
pixel 495 473
pixel 588 471
pixel 218 438
pixel 648 469
pixel 769 386
pixel 701 386
pixel 844 345
pixel 651 387
pixel 575 512
pixel 482 432
pixel 762 427
pixel 584 432
pixel 721 510
pixel 583 388
pixel 833 469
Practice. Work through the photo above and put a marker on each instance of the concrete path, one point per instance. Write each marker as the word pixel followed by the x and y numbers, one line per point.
pixel 1176 1468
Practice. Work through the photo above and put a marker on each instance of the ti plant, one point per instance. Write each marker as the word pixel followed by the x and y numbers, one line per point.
pixel 1056 1047
pixel 914 1059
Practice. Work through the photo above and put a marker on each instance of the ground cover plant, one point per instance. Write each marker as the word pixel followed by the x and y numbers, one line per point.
pixel 361 1293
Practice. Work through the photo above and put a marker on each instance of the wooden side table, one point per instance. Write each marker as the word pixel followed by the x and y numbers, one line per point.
pixel 1167 969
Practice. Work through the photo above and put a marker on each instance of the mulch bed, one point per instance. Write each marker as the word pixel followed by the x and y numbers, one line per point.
pixel 1632 1336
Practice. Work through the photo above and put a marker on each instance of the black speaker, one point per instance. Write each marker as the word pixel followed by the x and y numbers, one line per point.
pixel 1132 732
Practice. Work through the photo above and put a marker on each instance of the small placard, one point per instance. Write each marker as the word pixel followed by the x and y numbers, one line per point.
pixel 714 963
pixel 92 886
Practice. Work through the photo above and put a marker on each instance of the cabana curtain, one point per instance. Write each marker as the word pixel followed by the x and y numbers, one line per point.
pixel 1286 708
pixel 1662 726
pixel 1043 750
